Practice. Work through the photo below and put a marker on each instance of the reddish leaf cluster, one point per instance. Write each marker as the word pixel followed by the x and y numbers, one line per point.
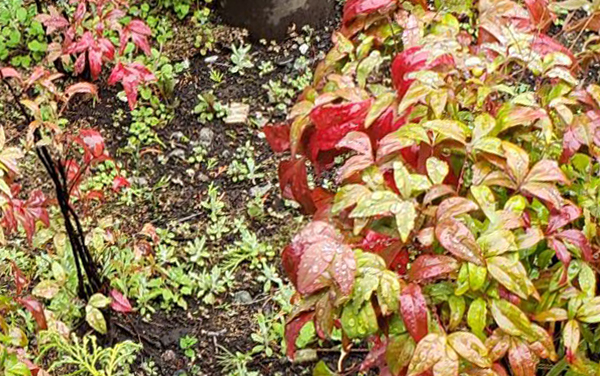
pixel 85 37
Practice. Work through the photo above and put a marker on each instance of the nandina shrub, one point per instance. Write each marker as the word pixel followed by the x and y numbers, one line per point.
pixel 459 239
pixel 85 41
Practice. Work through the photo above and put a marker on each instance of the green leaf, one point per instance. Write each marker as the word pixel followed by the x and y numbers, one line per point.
pixel 377 203
pixel 571 335
pixel 452 129
pixel 589 312
pixel 512 320
pixel 402 180
pixel 477 276
pixel 457 311
pixel 400 350
pixel 429 351
pixel 366 66
pixel 437 170
pixel 468 346
pixel 406 214
pixel 321 369
pixel 46 289
pixel 380 105
pixel 388 292
pixel 349 195
pixel 95 318
pixel 485 199
pixel 477 317
pixel 359 323
pixel 587 280
pixel 512 275
pixel 99 301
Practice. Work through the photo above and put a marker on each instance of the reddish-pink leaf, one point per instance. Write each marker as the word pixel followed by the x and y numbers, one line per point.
pixel 36 309
pixel 414 311
pixel 355 8
pixel 92 141
pixel 431 266
pixel 119 183
pixel 376 356
pixel 20 281
pixel 562 253
pixel 375 241
pixel 139 33
pixel 357 141
pixel 329 116
pixel 292 331
pixel 119 302
pixel 544 44
pixel 81 88
pixel 578 239
pixel 456 238
pixel 294 184
pixel 314 232
pixel 95 60
pixel 408 61
pixel 523 361
pixel 9 73
pixel 546 171
pixel 314 262
pixel 541 15
pixel 278 137
pixel 562 217
pixel 53 21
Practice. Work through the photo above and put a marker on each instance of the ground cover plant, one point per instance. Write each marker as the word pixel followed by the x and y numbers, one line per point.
pixel 411 190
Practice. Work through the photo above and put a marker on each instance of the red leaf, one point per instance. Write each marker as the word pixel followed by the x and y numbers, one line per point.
pixel 139 33
pixel 357 141
pixel 455 237
pixel 431 266
pixel 95 61
pixel 9 73
pixel 131 77
pixel 523 361
pixel 20 281
pixel 543 45
pixel 562 217
pixel 562 253
pixel 355 8
pixel 93 143
pixel 278 137
pixel 36 309
pixel 540 13
pixel 119 183
pixel 328 116
pixel 294 184
pixel 375 241
pixel 578 239
pixel 290 258
pixel 408 61
pixel 120 302
pixel 292 330
pixel 53 21
pixel 376 356
pixel 414 311
pixel 81 88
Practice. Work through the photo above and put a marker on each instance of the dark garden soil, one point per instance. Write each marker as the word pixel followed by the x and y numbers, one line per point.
pixel 228 324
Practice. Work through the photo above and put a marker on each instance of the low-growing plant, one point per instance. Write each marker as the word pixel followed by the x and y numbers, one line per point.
pixel 459 239
pixel 240 58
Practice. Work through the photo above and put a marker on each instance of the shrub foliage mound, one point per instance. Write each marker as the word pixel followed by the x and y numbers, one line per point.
pixel 461 237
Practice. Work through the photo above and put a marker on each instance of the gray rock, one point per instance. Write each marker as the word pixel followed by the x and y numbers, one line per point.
pixel 139 181
pixel 207 137
pixel 202 177
pixel 177 153
pixel 242 297
pixel 178 136
pixel 168 356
